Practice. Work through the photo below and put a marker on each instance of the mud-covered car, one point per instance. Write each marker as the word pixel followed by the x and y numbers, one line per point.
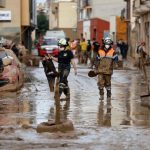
pixel 11 71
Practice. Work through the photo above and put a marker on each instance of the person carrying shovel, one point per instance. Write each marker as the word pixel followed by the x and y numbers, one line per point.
pixel 107 56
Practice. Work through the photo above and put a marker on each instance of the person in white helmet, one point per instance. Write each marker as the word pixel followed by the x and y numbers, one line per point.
pixel 65 59
pixel 107 56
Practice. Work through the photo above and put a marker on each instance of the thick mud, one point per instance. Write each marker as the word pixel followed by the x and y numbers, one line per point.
pixel 119 123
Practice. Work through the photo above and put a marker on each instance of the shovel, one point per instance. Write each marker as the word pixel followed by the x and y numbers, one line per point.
pixel 147 96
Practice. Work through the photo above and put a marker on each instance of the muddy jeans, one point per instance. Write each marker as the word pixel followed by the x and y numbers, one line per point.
pixel 63 82
pixel 104 80
pixel 64 75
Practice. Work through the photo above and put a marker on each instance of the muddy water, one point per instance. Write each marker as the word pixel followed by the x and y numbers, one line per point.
pixel 121 121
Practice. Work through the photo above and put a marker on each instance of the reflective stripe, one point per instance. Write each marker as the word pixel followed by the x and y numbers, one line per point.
pixel 109 54
pixel 115 56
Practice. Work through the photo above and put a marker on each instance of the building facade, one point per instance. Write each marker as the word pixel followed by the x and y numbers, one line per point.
pixel 118 29
pixel 141 11
pixel 18 20
pixel 91 10
pixel 63 15
pixel 100 9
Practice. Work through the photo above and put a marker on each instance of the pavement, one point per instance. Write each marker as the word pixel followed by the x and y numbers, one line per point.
pixel 144 82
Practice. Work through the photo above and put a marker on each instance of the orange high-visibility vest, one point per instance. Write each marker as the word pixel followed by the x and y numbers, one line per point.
pixel 108 54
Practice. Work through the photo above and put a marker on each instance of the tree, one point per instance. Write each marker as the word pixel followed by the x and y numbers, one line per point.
pixel 42 23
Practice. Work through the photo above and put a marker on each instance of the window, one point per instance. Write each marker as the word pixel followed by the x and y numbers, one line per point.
pixel 2 3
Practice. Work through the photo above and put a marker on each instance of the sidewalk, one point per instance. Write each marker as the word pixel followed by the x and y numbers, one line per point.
pixel 129 63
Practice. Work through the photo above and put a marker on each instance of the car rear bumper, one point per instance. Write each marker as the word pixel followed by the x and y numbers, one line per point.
pixel 42 53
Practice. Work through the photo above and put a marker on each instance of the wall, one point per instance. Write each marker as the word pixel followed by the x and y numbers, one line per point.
pixel 79 29
pixel 145 30
pixel 105 9
pixel 113 27
pixel 86 29
pixel 100 26
pixel 67 15
pixel 25 21
pixel 11 28
pixel 121 29
pixel 53 16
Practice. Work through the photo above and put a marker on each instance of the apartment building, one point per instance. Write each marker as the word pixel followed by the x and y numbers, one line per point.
pixel 99 11
pixel 18 20
pixel 63 15
pixel 141 11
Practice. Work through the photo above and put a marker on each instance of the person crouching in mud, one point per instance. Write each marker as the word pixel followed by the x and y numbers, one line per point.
pixel 65 59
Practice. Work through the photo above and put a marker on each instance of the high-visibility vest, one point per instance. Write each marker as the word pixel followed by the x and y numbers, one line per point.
pixel 109 54
pixel 105 65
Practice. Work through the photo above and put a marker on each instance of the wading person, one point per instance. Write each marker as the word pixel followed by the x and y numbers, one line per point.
pixel 107 56
pixel 65 59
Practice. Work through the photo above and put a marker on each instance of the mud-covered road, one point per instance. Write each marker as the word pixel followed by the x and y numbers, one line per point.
pixel 119 124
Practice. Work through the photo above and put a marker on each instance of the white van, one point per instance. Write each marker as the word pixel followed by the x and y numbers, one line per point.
pixel 58 34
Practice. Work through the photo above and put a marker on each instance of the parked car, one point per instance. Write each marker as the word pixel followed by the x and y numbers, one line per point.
pixel 49 46
pixel 11 71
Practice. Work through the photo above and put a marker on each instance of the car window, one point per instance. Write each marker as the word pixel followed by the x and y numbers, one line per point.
pixel 50 42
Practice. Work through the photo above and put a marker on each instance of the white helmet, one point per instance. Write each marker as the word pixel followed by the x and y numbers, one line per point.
pixel 108 41
pixel 62 42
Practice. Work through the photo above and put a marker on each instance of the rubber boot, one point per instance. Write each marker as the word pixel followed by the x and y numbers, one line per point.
pixel 101 92
pixel 61 89
pixel 101 97
pixel 108 93
pixel 51 86
pixel 67 92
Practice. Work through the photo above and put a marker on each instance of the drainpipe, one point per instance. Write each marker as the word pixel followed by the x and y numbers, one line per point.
pixel 128 7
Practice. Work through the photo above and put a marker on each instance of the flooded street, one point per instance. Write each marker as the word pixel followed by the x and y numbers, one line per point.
pixel 117 124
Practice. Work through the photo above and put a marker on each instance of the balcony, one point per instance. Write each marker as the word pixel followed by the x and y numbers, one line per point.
pixel 147 3
pixel 2 3
pixel 86 3
pixel 141 7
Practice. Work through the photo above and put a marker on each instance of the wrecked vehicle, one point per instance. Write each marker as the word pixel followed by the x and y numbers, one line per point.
pixel 11 71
